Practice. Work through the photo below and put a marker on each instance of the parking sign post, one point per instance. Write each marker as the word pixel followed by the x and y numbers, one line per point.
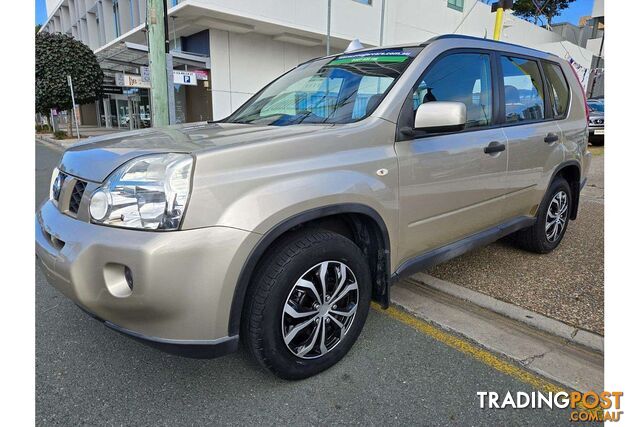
pixel 73 103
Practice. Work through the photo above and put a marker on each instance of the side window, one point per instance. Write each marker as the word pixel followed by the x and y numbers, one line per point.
pixel 558 89
pixel 460 77
pixel 523 94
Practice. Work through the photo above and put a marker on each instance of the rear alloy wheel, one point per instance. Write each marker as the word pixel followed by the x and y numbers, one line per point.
pixel 307 303
pixel 557 216
pixel 552 220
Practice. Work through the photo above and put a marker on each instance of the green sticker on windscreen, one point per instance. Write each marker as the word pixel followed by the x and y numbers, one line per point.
pixel 385 56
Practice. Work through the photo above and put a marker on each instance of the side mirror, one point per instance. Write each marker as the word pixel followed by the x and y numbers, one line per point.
pixel 441 116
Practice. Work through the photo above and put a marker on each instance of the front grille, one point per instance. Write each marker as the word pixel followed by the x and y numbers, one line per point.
pixel 76 196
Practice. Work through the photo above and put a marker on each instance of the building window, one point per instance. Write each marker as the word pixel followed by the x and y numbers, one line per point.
pixel 133 20
pixel 116 17
pixel 456 4
pixel 364 1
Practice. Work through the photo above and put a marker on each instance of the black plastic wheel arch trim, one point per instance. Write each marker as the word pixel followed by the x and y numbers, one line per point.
pixel 575 189
pixel 250 264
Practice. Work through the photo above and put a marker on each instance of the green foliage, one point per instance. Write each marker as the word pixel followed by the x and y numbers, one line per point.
pixel 57 56
pixel 60 134
pixel 526 9
pixel 43 129
pixel 38 26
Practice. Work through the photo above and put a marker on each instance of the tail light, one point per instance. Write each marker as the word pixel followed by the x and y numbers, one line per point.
pixel 584 94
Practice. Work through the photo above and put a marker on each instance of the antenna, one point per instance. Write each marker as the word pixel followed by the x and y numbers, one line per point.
pixel 354 45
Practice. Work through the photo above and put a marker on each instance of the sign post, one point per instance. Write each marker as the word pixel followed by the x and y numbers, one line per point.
pixel 158 62
pixel 499 7
pixel 73 103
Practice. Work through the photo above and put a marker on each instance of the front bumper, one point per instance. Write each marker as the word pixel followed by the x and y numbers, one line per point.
pixel 183 281
pixel 596 131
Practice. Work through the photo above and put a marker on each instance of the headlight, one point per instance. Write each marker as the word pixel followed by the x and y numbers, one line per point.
pixel 149 192
pixel 57 180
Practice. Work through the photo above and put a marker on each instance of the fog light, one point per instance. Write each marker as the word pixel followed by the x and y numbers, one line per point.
pixel 128 275
pixel 119 280
pixel 99 206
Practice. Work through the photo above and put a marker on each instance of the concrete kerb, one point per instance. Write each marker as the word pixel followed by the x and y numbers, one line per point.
pixel 536 320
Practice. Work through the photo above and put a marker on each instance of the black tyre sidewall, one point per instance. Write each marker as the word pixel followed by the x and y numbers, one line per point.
pixel 280 360
pixel 559 184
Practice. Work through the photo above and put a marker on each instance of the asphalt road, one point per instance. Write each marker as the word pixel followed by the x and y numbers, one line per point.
pixel 88 374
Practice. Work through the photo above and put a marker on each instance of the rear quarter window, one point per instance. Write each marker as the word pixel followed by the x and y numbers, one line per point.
pixel 558 89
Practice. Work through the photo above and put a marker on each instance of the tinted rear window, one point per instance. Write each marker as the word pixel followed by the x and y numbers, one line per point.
pixel 558 88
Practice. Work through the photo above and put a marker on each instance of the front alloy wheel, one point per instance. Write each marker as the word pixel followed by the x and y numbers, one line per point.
pixel 307 303
pixel 319 309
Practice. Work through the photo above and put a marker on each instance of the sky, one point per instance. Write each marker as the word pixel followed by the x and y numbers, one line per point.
pixel 41 12
pixel 576 10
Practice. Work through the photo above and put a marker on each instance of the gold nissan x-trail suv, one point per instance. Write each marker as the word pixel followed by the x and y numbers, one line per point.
pixel 279 224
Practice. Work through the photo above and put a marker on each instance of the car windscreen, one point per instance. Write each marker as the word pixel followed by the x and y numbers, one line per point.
pixel 340 89
pixel 596 106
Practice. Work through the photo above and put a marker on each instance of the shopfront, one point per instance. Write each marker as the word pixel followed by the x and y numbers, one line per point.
pixel 125 108
pixel 127 103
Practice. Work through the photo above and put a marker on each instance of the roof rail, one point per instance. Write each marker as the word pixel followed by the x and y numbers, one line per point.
pixel 465 37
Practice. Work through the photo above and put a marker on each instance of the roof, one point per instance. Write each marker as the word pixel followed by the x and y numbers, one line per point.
pixel 495 43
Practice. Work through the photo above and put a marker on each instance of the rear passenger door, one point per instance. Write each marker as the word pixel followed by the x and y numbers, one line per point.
pixel 533 136
pixel 451 184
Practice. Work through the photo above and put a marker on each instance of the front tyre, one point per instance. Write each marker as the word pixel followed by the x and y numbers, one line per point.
pixel 552 220
pixel 307 303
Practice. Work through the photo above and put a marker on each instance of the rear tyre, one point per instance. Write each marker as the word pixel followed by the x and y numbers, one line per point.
pixel 552 220
pixel 307 303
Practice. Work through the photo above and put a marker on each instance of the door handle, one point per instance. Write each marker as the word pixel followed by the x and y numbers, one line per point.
pixel 551 138
pixel 494 147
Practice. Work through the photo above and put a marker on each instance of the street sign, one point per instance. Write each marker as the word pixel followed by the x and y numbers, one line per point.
pixel 145 73
pixel 202 74
pixel 119 79
pixel 114 90
pixel 185 78
pixel 131 80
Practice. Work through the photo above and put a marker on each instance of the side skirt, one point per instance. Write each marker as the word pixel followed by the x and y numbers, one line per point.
pixel 452 250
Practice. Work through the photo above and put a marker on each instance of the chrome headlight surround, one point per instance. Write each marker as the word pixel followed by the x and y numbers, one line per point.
pixel 55 186
pixel 150 192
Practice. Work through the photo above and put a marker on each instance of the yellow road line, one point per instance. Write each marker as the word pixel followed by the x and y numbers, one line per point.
pixel 466 347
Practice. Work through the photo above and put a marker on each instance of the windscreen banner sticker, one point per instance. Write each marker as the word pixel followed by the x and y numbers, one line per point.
pixel 372 56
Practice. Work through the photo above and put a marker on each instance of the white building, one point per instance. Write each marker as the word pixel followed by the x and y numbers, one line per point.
pixel 244 44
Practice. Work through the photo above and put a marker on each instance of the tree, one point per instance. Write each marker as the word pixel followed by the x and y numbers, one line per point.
pixel 531 10
pixel 59 56
pixel 38 26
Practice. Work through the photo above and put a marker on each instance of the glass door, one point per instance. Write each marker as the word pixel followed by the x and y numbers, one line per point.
pixel 123 112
